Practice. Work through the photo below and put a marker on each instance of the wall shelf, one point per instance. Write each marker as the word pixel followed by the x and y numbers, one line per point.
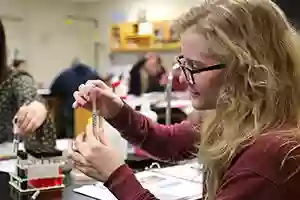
pixel 124 37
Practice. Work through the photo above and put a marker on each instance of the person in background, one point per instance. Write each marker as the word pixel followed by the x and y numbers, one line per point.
pixel 19 64
pixel 19 99
pixel 177 85
pixel 241 61
pixel 63 87
pixel 146 74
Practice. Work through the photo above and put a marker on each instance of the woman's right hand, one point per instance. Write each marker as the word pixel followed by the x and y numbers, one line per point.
pixel 108 103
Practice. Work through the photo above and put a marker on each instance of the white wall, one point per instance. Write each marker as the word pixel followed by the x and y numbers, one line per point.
pixel 116 11
pixel 49 45
pixel 43 37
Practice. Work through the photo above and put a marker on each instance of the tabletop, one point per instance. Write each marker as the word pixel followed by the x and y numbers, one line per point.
pixel 8 193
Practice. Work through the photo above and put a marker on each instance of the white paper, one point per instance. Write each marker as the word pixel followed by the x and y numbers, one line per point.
pixel 163 187
pixel 96 192
pixel 190 172
pixel 169 187
pixel 8 166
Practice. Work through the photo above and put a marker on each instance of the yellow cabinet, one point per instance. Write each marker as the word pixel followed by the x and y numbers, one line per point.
pixel 125 37
pixel 81 120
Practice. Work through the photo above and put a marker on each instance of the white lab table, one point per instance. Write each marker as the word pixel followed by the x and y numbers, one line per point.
pixel 179 100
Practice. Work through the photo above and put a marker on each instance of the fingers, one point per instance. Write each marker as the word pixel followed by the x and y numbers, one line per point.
pixel 21 115
pixel 85 145
pixel 82 96
pixel 91 137
pixel 97 137
pixel 79 99
pixel 81 146
pixel 89 171
pixel 30 127
pixel 98 83
pixel 79 159
pixel 26 120
pixel 95 88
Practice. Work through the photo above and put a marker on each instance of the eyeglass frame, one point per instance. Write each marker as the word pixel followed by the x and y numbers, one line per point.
pixel 184 68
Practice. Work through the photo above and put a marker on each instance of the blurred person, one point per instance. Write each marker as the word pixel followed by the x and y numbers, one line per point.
pixel 19 99
pixel 63 87
pixel 241 60
pixel 177 84
pixel 145 75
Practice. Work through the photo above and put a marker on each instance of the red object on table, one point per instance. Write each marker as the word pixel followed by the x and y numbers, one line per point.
pixel 46 182
pixel 115 84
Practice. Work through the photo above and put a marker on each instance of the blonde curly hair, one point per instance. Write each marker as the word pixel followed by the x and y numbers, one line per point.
pixel 261 89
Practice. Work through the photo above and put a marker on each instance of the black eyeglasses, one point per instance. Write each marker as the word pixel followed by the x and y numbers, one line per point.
pixel 190 69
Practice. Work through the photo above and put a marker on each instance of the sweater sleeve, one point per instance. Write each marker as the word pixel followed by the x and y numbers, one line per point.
pixel 172 143
pixel 124 186
pixel 248 185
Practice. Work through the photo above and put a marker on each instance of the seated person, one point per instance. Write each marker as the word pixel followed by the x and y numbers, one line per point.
pixel 63 87
pixel 243 69
pixel 177 83
pixel 146 74
pixel 19 98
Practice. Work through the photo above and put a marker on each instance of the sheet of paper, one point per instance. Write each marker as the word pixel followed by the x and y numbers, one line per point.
pixel 95 191
pixel 169 187
pixel 8 166
pixel 163 187
pixel 190 172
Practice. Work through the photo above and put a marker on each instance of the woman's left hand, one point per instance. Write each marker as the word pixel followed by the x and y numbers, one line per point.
pixel 94 157
pixel 31 117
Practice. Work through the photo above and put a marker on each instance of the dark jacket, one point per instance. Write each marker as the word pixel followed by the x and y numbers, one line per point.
pixel 63 87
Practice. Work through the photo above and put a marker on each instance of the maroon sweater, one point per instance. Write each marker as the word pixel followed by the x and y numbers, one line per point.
pixel 257 173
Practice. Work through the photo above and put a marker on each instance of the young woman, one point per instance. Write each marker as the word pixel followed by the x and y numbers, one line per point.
pixel 19 99
pixel 241 60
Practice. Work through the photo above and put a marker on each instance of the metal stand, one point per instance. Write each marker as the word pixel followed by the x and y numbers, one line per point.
pixel 169 98
pixel 33 176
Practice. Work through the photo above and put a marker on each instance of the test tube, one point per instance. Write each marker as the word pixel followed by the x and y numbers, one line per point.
pixel 16 132
pixel 94 110
pixel 94 115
